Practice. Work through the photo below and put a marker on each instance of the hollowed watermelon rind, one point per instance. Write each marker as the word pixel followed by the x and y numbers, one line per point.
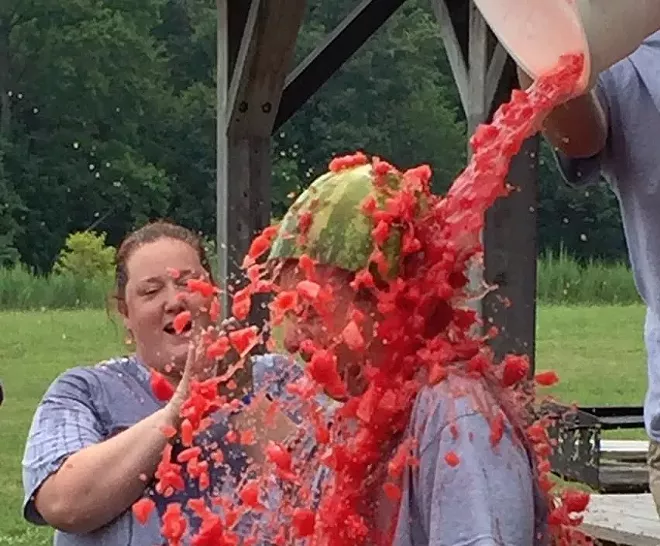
pixel 340 231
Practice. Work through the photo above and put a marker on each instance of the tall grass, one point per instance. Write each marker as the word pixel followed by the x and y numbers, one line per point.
pixel 561 281
pixel 21 290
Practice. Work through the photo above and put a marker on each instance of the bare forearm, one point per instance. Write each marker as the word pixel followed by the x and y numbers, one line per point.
pixel 100 482
pixel 578 127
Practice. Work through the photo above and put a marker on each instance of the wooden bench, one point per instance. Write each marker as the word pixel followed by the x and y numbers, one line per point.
pixel 582 454
pixel 624 450
pixel 627 520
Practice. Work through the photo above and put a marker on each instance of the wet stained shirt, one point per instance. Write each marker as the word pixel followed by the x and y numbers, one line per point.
pixel 489 499
pixel 86 405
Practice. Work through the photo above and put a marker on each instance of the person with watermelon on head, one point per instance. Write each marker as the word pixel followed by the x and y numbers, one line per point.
pixel 462 489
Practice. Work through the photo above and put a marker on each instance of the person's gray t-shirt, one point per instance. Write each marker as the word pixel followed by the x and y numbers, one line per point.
pixel 489 498
pixel 86 405
pixel 629 92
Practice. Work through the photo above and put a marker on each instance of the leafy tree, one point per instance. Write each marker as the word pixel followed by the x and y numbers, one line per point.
pixel 86 255
pixel 10 208
pixel 393 98
pixel 584 222
pixel 86 80
pixel 107 119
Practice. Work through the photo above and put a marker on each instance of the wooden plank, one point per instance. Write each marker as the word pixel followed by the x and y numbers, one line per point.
pixel 453 49
pixel 624 445
pixel 494 74
pixel 244 58
pixel 477 110
pixel 333 51
pixel 623 519
pixel 267 60
pixel 626 450
pixel 623 477
pixel 510 248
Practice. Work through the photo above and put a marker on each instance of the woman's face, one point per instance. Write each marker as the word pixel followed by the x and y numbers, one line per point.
pixel 155 295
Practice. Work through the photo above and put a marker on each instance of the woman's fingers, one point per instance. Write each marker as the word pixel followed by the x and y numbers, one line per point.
pixel 198 364
pixel 181 392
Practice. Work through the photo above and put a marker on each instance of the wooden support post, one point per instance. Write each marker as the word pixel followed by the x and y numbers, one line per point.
pixel 510 258
pixel 510 243
pixel 256 41
pixel 250 173
pixel 484 81
pixel 454 48
pixel 495 71
pixel 465 34
pixel 221 156
pixel 477 109
pixel 475 57
pixel 477 67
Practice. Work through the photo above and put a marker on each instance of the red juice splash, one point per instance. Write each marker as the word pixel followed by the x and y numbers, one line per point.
pixel 429 334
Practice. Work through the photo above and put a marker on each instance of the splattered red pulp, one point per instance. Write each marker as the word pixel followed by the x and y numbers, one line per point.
pixel 423 319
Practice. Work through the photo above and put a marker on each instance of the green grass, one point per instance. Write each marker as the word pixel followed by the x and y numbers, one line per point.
pixel 35 348
pixel 562 280
pixel 598 352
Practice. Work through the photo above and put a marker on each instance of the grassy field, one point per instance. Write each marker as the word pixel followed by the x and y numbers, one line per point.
pixel 597 350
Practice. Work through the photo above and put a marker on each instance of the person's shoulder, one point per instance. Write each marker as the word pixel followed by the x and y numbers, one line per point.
pixel 625 74
pixel 82 381
pixel 457 398
pixel 271 374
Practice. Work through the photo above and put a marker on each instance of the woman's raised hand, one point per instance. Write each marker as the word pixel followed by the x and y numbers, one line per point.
pixel 198 367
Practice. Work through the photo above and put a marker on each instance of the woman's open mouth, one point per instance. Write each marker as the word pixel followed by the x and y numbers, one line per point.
pixel 169 329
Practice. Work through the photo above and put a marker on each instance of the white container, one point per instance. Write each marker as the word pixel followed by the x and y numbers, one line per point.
pixel 537 32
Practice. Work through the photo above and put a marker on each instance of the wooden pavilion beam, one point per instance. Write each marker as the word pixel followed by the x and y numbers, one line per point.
pixel 485 77
pixel 256 41
pixel 455 48
pixel 510 246
pixel 475 57
pixel 252 106
pixel 335 49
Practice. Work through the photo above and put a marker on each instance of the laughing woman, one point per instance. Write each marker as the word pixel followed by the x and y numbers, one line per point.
pixel 96 438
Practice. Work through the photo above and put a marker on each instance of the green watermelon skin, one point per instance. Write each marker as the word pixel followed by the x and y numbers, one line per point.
pixel 340 232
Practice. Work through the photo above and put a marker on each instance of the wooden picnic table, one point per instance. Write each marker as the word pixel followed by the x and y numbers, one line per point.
pixel 630 520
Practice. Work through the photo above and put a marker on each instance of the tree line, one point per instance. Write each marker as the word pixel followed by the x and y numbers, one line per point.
pixel 107 119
